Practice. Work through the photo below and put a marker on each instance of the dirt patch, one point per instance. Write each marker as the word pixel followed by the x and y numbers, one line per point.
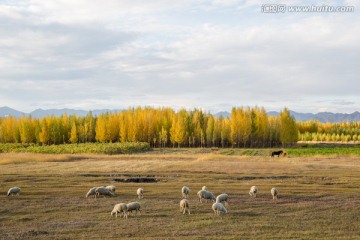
pixel 264 177
pixel 33 233
pixel 137 180
pixel 315 179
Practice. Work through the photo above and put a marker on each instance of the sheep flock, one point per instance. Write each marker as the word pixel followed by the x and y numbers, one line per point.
pixel 219 206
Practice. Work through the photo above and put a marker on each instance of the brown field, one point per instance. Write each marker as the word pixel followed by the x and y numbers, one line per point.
pixel 319 196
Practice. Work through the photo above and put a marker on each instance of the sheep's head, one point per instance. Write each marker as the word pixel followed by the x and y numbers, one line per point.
pixel 88 194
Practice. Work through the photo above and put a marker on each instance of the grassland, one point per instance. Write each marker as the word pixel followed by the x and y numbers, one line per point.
pixel 105 148
pixel 138 147
pixel 319 196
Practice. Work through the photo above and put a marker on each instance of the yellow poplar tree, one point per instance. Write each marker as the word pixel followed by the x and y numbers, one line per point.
pixel 101 133
pixel 74 134
pixel 288 128
pixel 44 135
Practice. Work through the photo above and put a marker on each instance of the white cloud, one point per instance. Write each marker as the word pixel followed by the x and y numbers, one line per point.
pixel 208 54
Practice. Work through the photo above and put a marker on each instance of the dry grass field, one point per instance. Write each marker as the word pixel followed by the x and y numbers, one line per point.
pixel 319 196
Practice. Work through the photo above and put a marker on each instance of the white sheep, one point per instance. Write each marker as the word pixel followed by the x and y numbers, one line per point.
pixel 204 188
pixel 184 206
pixel 140 193
pixel 205 195
pixel 14 190
pixel 91 192
pixel 218 208
pixel 120 208
pixel 275 193
pixel 103 191
pixel 253 191
pixel 111 188
pixel 185 192
pixel 223 198
pixel 134 206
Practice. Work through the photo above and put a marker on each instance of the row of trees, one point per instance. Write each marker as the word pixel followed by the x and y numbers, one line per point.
pixel 161 127
pixel 329 132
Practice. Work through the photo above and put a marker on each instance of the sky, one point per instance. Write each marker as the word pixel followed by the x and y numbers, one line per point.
pixel 208 54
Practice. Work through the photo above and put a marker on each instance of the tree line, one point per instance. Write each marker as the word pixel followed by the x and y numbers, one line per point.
pixel 160 127
pixel 316 131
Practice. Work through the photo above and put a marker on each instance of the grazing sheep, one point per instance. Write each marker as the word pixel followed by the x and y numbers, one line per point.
pixel 218 208
pixel 120 208
pixel 253 191
pixel 185 192
pixel 275 193
pixel 206 195
pixel 184 206
pixel 91 192
pixel 111 188
pixel 140 193
pixel 204 188
pixel 103 191
pixel 134 206
pixel 222 198
pixel 14 190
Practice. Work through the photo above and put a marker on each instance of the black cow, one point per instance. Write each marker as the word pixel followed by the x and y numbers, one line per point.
pixel 278 153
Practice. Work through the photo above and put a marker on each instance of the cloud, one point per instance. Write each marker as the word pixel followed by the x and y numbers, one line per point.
pixel 207 54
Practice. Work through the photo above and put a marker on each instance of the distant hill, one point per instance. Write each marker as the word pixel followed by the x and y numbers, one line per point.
pixel 40 113
pixel 6 111
pixel 223 114
pixel 321 116
pixel 324 116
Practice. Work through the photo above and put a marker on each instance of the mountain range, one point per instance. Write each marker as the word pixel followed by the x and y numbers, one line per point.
pixel 321 116
pixel 40 113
